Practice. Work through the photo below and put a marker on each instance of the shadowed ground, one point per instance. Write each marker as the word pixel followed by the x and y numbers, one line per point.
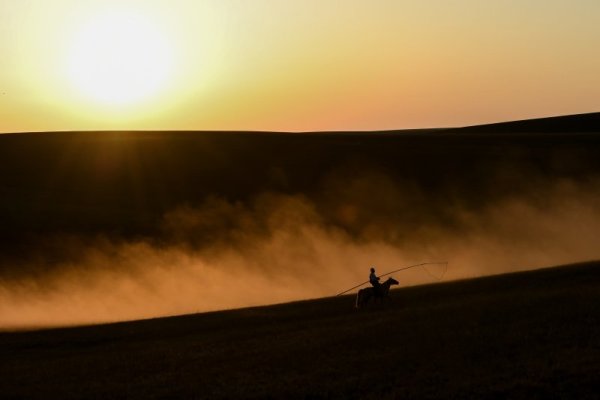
pixel 532 335
pixel 121 184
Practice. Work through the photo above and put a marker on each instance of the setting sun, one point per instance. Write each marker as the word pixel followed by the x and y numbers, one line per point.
pixel 120 58
pixel 292 66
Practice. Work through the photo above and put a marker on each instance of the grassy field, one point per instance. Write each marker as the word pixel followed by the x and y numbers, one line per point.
pixel 531 335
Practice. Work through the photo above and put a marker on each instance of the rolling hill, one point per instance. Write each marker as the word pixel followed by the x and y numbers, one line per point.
pixel 531 335
pixel 123 183
pixel 578 123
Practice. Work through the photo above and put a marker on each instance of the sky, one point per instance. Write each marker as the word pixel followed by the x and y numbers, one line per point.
pixel 294 65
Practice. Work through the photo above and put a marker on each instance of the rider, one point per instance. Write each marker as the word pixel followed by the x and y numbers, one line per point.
pixel 374 280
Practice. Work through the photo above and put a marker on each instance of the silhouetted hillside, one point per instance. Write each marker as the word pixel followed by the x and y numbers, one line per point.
pixel 123 183
pixel 533 335
pixel 566 124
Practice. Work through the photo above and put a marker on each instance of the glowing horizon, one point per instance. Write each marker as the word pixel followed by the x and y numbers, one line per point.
pixel 293 66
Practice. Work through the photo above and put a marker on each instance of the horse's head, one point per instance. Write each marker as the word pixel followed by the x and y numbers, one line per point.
pixel 392 281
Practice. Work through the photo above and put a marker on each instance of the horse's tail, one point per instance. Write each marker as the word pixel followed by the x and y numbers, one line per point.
pixel 359 296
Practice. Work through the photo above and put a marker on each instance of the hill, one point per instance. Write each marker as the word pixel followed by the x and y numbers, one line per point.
pixel 122 184
pixel 569 123
pixel 532 335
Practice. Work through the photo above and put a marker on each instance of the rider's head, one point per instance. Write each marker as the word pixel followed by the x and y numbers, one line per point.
pixel 372 269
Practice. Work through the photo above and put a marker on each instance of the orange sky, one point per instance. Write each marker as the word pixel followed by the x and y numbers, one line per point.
pixel 293 65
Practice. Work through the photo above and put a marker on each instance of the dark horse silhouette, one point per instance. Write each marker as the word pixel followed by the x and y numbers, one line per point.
pixel 365 295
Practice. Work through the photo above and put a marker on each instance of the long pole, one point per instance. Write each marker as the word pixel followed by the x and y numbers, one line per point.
pixel 396 270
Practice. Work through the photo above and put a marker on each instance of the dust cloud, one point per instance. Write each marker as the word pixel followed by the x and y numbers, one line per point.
pixel 281 247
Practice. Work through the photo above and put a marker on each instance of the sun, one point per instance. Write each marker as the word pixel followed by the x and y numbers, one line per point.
pixel 120 58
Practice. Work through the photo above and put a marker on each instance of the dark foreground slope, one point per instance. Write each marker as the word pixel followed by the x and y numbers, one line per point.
pixel 532 335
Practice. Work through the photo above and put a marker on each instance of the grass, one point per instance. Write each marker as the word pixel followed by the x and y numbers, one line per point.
pixel 532 335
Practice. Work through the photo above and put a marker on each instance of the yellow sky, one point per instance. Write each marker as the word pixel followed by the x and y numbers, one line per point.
pixel 294 65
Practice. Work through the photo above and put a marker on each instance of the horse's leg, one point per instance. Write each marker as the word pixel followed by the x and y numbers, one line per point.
pixel 362 298
pixel 387 299
pixel 369 297
pixel 381 295
pixel 358 299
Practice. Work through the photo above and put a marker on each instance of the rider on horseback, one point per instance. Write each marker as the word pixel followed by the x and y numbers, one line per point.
pixel 374 280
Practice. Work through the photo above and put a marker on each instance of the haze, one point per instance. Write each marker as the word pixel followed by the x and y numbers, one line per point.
pixel 105 226
pixel 279 248
pixel 294 66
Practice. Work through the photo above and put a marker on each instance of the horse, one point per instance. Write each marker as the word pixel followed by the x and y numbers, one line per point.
pixel 364 295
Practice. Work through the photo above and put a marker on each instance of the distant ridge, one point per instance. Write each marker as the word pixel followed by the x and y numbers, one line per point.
pixel 581 123
pixel 122 183
pixel 589 122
